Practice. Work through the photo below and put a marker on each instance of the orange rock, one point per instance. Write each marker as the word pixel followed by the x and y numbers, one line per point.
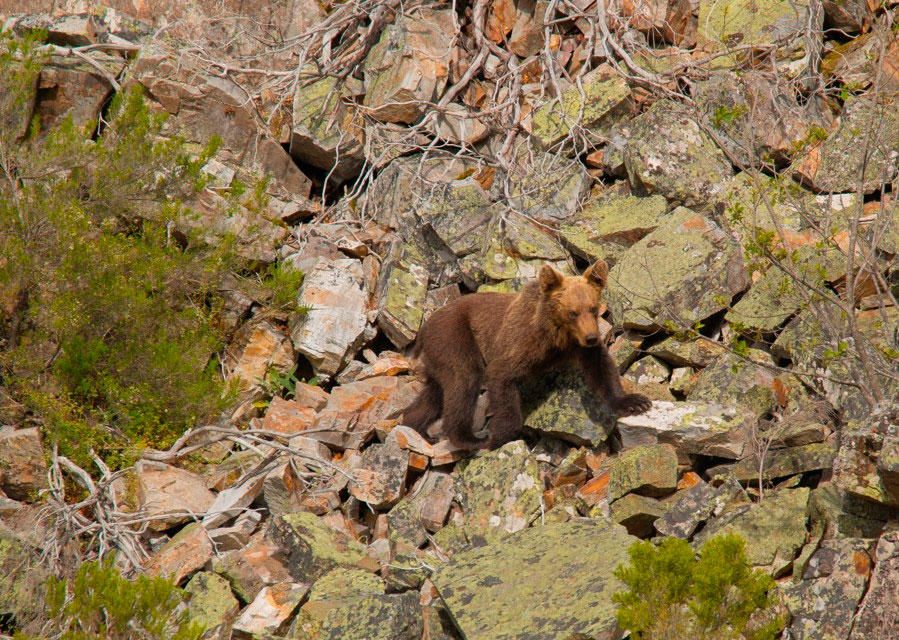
pixel 288 417
pixel 389 366
pixel 184 554
pixel 418 462
pixel 445 453
pixel 595 490
pixel 689 479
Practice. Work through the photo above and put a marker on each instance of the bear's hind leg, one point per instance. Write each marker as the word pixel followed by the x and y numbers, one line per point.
pixel 505 401
pixel 425 409
pixel 460 398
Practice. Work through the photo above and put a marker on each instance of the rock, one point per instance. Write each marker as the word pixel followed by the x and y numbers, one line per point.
pixel 515 251
pixel 402 289
pixel 779 463
pixel 696 505
pixel 222 475
pixel 375 617
pixel 380 479
pixel 188 551
pixel 739 22
pixel 288 417
pixel 605 228
pixel 499 492
pixel 649 470
pixel 70 87
pixel 333 327
pixel 691 427
pixel 548 187
pixel 385 365
pixel 73 30
pixel 526 38
pixel 569 573
pixel 670 20
pixel 261 347
pixel 703 271
pixel 732 378
pixel 774 529
pixel 233 501
pixel 648 371
pixel 751 200
pixel 697 353
pixel 253 567
pixel 338 589
pixel 270 610
pixel 846 515
pixel 561 405
pixel 637 513
pixel 456 214
pixel 756 116
pixel 848 16
pixel 169 495
pixel 408 66
pixel 824 601
pixel 313 548
pixel 211 604
pixel 423 510
pixel 23 471
pixel 328 132
pixel 353 410
pixel 875 619
pixel 457 125
pixel 603 99
pixel 836 165
pixel 668 154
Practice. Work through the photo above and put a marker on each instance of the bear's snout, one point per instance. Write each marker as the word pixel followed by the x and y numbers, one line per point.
pixel 592 340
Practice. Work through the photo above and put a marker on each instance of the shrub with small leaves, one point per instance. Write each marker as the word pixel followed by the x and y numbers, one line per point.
pixel 673 595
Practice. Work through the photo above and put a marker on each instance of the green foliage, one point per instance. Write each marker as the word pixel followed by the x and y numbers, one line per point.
pixel 283 282
pixel 725 115
pixel 99 604
pixel 109 327
pixel 673 595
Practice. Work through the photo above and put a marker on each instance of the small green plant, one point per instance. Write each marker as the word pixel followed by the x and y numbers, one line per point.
pixel 673 595
pixel 283 282
pixel 99 604
pixel 725 115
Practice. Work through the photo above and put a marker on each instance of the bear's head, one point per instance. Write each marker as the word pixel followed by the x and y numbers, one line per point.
pixel 573 301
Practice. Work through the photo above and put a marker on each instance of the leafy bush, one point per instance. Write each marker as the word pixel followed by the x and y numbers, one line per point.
pixel 99 604
pixel 671 594
pixel 111 320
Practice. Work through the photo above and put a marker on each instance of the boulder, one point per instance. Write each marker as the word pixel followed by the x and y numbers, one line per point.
pixel 875 619
pixel 408 67
pixel 648 470
pixel 867 462
pixel 599 99
pixel 380 479
pixel 774 529
pixel 211 604
pixel 703 270
pixel 70 87
pixel 697 353
pixel 251 568
pixel 567 593
pixel 402 290
pixel 375 617
pixel 499 492
pixel 260 347
pixel 313 548
pixel 269 611
pixel 423 510
pixel 837 163
pixel 637 513
pixel 690 427
pixel 734 379
pixel 289 417
pixel 328 132
pixel 169 495
pixel 780 463
pixel 331 325
pixel 823 600
pixel 188 551
pixel 671 21
pixel 670 155
pixel 561 405
pixel 606 227
pixel 23 471
pixel 692 507
pixel 547 187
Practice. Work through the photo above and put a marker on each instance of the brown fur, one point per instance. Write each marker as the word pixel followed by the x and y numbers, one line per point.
pixel 499 339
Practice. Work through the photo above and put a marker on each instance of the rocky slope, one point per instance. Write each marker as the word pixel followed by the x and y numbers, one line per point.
pixel 736 165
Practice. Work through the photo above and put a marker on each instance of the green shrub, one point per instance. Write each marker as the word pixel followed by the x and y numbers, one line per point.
pixel 672 595
pixel 99 604
pixel 108 320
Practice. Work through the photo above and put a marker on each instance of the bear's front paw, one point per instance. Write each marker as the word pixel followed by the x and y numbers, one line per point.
pixel 632 404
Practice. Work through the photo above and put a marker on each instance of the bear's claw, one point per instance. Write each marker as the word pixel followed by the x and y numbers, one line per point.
pixel 633 404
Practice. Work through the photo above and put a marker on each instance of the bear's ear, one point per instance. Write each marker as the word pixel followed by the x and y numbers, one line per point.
pixel 597 274
pixel 550 279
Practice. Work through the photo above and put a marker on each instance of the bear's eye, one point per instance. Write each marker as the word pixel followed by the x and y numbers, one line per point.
pixel 572 314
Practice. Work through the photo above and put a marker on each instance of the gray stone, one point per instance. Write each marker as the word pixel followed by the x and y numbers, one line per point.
pixel 877 617
pixel 637 513
pixel 696 505
pixel 424 509
pixel 402 290
pixel 649 470
pixel 734 379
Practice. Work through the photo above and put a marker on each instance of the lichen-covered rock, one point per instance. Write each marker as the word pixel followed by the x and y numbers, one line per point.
pixel 691 427
pixel 846 515
pixel 375 617
pixel 774 529
pixel 211 604
pixel 670 20
pixel 339 588
pixel 602 98
pixel 876 618
pixel 696 505
pixel 402 289
pixel 408 67
pixel 866 145
pixel 332 327
pixel 605 228
pixel 867 462
pixel 328 132
pixel 380 478
pixel 649 470
pixel 724 25
pixel 734 379
pixel 551 582
pixel 457 214
pixel 849 16
pixel 561 405
pixel 668 154
pixel 424 509
pixel 500 492
pixel 779 463
pixel 637 513
pixel 188 551
pixel 824 600
pixel 703 270
pixel 23 471
pixel 690 353
pixel 313 548
pixel 548 187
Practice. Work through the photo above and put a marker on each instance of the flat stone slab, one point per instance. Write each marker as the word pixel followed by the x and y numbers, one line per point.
pixel 553 583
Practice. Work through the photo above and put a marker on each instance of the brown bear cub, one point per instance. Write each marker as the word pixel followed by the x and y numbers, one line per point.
pixel 499 339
